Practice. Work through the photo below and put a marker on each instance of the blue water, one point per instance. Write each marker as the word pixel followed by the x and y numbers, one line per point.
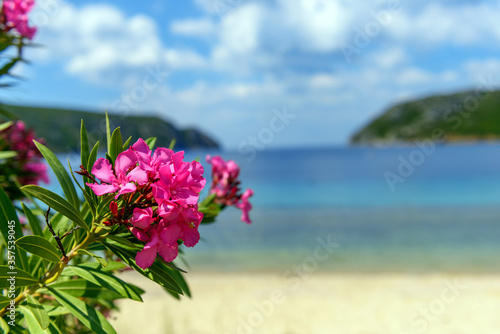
pixel 445 216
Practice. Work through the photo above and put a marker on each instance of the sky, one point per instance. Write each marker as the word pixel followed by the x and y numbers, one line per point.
pixel 257 74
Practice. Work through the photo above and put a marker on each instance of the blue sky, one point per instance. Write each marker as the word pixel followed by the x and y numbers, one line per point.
pixel 234 67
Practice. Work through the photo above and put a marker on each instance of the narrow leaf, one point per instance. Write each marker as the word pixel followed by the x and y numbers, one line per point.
pixel 116 145
pixel 158 272
pixel 126 144
pixel 33 221
pixel 108 132
pixel 84 144
pixel 4 326
pixel 92 157
pixel 107 281
pixel 5 125
pixel 4 301
pixel 9 221
pixel 57 203
pixel 79 288
pixel 61 174
pixel 99 259
pixel 22 278
pixel 38 311
pixel 7 154
pixel 87 315
pixel 172 144
pixel 151 142
pixel 40 247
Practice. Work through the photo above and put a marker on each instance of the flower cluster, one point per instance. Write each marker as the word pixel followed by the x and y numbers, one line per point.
pixel 26 165
pixel 158 195
pixel 14 15
pixel 225 186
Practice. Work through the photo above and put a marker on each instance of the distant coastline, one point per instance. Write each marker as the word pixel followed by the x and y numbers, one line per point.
pixel 466 117
pixel 61 128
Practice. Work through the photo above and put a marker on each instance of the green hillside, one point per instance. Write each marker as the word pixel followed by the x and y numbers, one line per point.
pixel 60 128
pixel 466 116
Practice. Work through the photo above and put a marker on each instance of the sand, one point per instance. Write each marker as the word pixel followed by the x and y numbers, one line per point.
pixel 285 303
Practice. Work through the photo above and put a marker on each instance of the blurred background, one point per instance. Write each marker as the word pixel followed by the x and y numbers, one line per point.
pixel 368 132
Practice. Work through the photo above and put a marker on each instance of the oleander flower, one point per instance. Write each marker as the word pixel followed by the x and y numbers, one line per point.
pixel 122 179
pixel 162 191
pixel 225 186
pixel 15 14
pixel 27 165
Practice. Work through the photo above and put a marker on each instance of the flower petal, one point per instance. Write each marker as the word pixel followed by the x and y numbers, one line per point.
pixel 123 162
pixel 103 171
pixel 101 189
pixel 146 257
pixel 127 188
pixel 168 253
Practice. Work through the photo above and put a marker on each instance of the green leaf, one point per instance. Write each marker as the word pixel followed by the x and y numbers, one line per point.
pixel 116 146
pixel 40 247
pixel 61 174
pixel 84 144
pixel 108 132
pixel 87 315
pixel 33 325
pixel 22 277
pixel 8 154
pixel 151 142
pixel 104 203
pixel 38 311
pixel 4 301
pixel 4 326
pixel 99 259
pixel 127 144
pixel 106 280
pixel 55 311
pixel 57 203
pixel 6 68
pixel 88 197
pixel 9 221
pixel 92 157
pixel 172 144
pixel 79 288
pixel 5 125
pixel 33 221
pixel 179 278
pixel 112 239
pixel 158 272
pixel 112 265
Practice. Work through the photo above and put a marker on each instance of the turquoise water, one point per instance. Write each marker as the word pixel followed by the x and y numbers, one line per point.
pixel 445 216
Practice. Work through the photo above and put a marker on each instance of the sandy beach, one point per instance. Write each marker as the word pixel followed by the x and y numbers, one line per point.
pixel 234 303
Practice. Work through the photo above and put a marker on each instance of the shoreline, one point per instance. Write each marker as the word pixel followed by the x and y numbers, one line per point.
pixel 321 302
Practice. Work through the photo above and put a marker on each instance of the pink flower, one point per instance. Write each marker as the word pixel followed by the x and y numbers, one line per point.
pixel 166 210
pixel 16 16
pixel 38 171
pixel 225 186
pixel 245 206
pixel 27 164
pixel 142 218
pixel 124 177
pixel 162 238
pixel 155 245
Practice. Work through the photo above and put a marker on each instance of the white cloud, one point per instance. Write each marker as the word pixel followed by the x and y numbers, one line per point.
pixel 467 24
pixel 194 27
pixel 389 58
pixel 182 59
pixel 95 38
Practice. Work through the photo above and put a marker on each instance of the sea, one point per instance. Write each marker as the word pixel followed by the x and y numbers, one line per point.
pixel 420 209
